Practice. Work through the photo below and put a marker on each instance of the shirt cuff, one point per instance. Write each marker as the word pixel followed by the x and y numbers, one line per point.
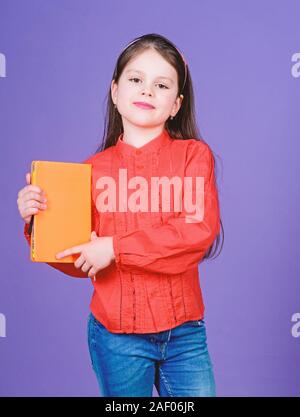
pixel 26 232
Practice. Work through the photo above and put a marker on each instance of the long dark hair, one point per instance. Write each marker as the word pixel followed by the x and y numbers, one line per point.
pixel 182 126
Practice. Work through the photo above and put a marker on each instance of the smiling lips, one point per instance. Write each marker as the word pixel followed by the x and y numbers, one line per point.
pixel 144 105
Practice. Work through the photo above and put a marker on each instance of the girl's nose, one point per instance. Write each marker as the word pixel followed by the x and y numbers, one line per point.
pixel 147 90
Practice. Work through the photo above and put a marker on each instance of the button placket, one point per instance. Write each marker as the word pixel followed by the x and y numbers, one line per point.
pixel 139 159
pixel 155 215
pixel 141 169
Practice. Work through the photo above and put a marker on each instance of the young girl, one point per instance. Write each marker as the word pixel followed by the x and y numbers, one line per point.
pixel 146 325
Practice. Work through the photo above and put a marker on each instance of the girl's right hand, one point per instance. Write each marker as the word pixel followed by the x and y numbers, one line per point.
pixel 30 199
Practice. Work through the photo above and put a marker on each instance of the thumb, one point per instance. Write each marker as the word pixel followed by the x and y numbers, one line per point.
pixel 28 178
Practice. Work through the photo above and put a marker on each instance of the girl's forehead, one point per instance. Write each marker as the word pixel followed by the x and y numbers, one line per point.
pixel 146 55
pixel 151 62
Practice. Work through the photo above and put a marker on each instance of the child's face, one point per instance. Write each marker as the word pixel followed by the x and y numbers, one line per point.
pixel 149 78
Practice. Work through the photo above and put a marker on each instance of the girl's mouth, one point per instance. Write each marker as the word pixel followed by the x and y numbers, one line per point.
pixel 143 105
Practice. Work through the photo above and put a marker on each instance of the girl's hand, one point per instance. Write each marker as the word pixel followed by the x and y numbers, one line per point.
pixel 30 199
pixel 95 255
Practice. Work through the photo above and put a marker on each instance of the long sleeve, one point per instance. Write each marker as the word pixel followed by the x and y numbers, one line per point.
pixel 177 245
pixel 69 268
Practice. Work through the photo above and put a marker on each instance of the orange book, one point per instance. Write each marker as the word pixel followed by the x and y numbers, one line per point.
pixel 66 222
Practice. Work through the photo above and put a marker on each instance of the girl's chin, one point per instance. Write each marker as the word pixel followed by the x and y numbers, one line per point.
pixel 148 120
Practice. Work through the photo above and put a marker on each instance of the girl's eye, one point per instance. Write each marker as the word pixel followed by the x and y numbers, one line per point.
pixel 131 79
pixel 163 86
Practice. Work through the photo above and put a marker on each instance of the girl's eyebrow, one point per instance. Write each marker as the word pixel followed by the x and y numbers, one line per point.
pixel 141 72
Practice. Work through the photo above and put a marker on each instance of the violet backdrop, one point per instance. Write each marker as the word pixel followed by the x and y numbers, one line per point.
pixel 59 58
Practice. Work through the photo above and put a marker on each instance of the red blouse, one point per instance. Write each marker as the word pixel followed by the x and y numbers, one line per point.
pixel 153 283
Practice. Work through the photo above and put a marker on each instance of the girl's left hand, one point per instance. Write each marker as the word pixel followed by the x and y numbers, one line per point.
pixel 95 255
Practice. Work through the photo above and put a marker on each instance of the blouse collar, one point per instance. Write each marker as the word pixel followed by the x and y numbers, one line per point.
pixel 152 146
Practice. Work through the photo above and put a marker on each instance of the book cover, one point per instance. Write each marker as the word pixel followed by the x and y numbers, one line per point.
pixel 66 221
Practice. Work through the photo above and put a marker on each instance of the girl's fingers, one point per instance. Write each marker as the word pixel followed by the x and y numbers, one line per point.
pixel 93 235
pixel 30 207
pixel 92 273
pixel 79 262
pixel 35 204
pixel 70 251
pixel 86 266
pixel 30 199
pixel 28 188
pixel 33 196
pixel 31 210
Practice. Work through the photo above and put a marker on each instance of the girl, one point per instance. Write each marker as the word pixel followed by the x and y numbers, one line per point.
pixel 146 325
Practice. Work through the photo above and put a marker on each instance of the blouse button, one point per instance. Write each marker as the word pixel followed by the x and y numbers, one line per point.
pixel 138 151
pixel 140 166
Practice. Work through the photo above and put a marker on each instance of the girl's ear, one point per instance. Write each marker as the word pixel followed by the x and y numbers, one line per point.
pixel 178 103
pixel 113 89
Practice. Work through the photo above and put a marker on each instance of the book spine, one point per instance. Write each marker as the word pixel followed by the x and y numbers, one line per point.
pixel 33 181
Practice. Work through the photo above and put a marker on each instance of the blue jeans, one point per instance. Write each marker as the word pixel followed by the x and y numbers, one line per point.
pixel 176 361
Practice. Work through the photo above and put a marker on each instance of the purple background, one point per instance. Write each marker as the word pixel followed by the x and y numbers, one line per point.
pixel 60 55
